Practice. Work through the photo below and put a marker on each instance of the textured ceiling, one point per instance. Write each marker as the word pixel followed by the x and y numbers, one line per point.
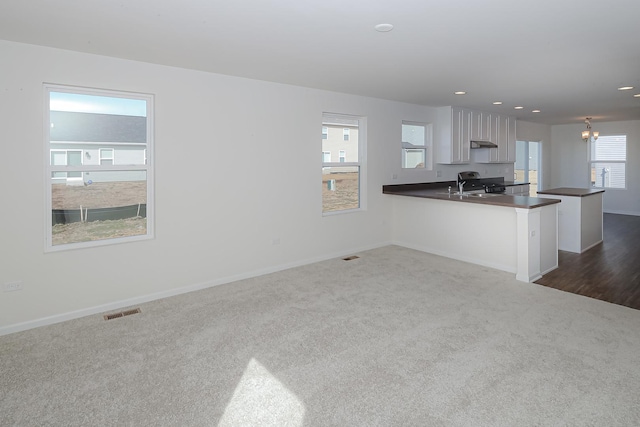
pixel 564 57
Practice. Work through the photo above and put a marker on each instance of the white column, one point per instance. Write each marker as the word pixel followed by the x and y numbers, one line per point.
pixel 528 243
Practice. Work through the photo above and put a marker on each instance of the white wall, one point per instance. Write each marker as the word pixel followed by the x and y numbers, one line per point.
pixel 218 148
pixel 570 168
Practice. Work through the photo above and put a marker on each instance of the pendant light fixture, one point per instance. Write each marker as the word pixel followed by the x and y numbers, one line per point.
pixel 588 135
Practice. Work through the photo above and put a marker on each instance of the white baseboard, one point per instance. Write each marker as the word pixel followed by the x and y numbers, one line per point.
pixel 622 212
pixel 117 305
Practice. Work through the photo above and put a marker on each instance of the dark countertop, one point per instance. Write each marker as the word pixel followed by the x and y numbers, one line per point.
pixel 575 192
pixel 439 192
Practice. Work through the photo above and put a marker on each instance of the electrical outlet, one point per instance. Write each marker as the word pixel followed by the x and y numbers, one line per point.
pixel 439 174
pixel 394 176
pixel 13 286
pixel 275 241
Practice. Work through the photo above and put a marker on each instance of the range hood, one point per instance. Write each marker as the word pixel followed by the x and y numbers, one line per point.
pixel 476 143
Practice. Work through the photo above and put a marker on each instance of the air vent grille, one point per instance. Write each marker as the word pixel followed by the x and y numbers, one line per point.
pixel 121 314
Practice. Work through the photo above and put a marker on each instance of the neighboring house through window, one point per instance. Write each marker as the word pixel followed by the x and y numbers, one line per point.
pixel 416 138
pixel 99 179
pixel 342 180
pixel 607 161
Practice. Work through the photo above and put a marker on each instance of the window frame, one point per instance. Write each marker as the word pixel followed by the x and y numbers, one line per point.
pixel 592 143
pixel 425 148
pixel 360 163
pixel 48 169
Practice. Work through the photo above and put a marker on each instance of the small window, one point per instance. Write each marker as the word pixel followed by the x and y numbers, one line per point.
pixel 106 156
pixel 341 177
pixel 608 160
pixel 345 134
pixel 91 200
pixel 416 138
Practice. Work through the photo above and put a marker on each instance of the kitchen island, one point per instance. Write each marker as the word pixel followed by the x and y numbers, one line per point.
pixel 579 217
pixel 517 234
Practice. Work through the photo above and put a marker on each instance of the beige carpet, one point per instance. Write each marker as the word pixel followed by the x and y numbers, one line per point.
pixel 394 338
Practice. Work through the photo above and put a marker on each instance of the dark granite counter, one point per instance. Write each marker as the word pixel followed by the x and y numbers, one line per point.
pixel 439 191
pixel 573 192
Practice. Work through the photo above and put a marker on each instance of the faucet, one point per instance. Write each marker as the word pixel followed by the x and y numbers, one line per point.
pixel 461 187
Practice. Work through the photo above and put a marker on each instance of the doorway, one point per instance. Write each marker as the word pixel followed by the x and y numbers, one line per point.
pixel 528 164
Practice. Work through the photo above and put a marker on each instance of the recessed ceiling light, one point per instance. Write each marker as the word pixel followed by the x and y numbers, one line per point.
pixel 497 103
pixel 637 95
pixel 535 111
pixel 625 88
pixel 383 28
pixel 460 92
pixel 518 108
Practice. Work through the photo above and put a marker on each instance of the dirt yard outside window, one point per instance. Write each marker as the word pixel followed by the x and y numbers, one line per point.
pixel 98 195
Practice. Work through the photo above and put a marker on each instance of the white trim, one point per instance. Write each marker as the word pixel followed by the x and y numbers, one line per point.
pixel 98 143
pixel 116 305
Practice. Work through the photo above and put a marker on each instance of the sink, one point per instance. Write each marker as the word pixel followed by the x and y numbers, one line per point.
pixel 456 194
pixel 484 195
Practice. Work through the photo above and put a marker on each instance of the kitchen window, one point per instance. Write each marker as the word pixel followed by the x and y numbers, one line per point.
pixel 416 139
pixel 342 180
pixel 608 161
pixel 90 200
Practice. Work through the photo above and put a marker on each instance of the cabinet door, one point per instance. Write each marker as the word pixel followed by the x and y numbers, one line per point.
pixel 511 140
pixel 475 125
pixel 501 140
pixel 486 124
pixel 465 137
pixel 457 120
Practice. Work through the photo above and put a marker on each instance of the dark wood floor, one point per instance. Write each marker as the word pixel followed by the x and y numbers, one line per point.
pixel 609 271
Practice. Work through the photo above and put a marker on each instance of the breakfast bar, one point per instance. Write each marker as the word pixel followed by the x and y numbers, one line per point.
pixel 517 234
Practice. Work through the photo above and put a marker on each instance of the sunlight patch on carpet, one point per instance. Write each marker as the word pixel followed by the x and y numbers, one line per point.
pixel 260 399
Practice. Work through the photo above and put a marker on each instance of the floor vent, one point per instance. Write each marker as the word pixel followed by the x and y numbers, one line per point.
pixel 121 314
pixel 349 258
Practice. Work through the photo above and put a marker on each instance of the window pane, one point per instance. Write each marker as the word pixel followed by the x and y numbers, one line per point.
pixel 115 205
pixel 413 134
pixel 609 147
pixel 414 158
pixel 340 188
pixel 608 175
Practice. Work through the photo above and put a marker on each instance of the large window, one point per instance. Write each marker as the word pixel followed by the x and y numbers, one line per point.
pixel 416 138
pixel 607 161
pixel 99 177
pixel 341 180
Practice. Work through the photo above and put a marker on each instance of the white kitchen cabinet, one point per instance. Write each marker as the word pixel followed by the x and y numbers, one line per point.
pixel 502 131
pixel 453 135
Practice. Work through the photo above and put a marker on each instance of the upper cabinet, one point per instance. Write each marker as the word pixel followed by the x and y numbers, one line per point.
pixel 458 126
pixel 453 135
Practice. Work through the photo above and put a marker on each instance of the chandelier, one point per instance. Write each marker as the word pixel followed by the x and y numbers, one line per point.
pixel 588 134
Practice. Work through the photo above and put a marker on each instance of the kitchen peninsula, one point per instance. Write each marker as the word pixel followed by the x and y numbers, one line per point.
pixel 579 217
pixel 517 234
